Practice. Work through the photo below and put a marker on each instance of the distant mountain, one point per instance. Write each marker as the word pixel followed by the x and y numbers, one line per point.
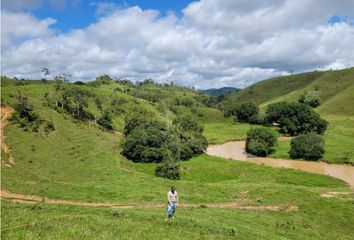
pixel 215 92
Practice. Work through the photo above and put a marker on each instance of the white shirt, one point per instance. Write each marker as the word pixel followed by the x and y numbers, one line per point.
pixel 172 197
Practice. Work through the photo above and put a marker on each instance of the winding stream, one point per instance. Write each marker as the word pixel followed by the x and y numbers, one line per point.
pixel 236 150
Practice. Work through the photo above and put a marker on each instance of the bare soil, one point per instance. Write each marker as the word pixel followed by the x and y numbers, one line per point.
pixel 5 115
pixel 5 194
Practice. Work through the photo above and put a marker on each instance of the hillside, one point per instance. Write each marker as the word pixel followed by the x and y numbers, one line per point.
pixel 332 87
pixel 215 92
pixel 81 162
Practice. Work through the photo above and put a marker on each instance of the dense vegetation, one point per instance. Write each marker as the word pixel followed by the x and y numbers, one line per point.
pixel 309 146
pixel 295 118
pixel 260 141
pixel 155 141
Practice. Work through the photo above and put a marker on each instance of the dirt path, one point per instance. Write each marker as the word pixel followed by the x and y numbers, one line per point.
pixel 5 115
pixel 38 199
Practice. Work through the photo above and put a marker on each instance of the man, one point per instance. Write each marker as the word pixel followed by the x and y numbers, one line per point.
pixel 172 198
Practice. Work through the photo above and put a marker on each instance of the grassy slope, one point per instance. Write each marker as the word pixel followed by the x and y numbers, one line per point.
pixel 316 221
pixel 272 88
pixel 81 162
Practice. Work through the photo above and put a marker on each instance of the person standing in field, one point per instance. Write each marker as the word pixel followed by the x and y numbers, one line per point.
pixel 172 198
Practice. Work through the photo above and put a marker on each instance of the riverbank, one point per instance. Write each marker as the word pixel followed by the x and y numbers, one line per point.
pixel 236 150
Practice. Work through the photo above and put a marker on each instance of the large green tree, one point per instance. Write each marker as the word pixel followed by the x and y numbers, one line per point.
pixel 295 118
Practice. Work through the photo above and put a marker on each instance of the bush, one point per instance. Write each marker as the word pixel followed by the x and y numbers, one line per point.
pixel 153 141
pixel 246 111
pixel 105 121
pixel 24 114
pixel 229 110
pixel 147 143
pixel 133 120
pixel 295 118
pixel 257 119
pixel 309 146
pixel 168 169
pixel 312 99
pixel 187 124
pixel 49 127
pixel 260 141
pixel 190 137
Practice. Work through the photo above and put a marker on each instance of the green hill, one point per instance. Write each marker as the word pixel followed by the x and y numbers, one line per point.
pixel 79 161
pixel 332 87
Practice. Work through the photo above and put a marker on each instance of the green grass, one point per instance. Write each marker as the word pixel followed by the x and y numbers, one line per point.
pixel 81 162
pixel 224 131
pixel 274 87
pixel 334 88
pixel 315 220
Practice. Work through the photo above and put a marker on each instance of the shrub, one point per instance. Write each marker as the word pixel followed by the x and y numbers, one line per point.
pixel 257 119
pixel 246 111
pixel 229 110
pixel 133 120
pixel 309 146
pixel 24 114
pixel 260 141
pixel 147 142
pixel 168 169
pixel 295 118
pixel 190 137
pixel 105 121
pixel 49 126
pixel 312 99
pixel 24 108
pixel 187 124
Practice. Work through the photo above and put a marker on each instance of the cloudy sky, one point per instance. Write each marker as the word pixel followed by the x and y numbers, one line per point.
pixel 205 43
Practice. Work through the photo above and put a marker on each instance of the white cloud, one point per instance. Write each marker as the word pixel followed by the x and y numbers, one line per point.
pixel 215 43
pixel 19 26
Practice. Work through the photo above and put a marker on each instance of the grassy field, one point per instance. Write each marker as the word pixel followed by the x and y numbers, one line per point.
pixel 244 183
pixel 316 220
pixel 81 162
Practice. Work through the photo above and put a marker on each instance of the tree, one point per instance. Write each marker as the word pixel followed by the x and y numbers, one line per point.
pixel 312 99
pixel 168 169
pixel 188 124
pixel 24 108
pixel 133 120
pixel 246 111
pixel 24 114
pixel 45 72
pixel 147 143
pixel 295 118
pixel 309 146
pixel 106 120
pixel 230 109
pixel 260 141
pixel 190 137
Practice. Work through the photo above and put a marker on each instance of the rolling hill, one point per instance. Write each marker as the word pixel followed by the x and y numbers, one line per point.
pixel 80 162
pixel 334 89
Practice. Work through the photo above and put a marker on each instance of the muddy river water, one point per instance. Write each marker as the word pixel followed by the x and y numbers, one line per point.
pixel 236 150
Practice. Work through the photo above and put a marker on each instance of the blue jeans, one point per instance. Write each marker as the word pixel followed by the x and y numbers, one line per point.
pixel 171 209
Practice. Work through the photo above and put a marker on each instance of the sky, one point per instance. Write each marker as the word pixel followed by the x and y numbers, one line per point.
pixel 201 44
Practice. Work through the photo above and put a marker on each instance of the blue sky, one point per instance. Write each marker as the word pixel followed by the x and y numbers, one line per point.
pixel 79 14
pixel 211 43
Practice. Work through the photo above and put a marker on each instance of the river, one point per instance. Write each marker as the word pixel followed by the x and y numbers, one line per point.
pixel 236 150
